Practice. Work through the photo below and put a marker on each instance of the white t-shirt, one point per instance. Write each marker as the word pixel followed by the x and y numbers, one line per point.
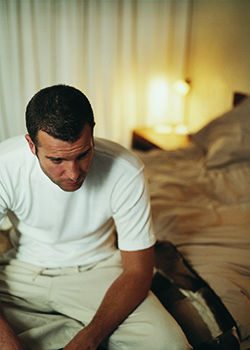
pixel 54 228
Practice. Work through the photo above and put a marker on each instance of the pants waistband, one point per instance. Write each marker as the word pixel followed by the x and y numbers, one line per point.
pixel 58 271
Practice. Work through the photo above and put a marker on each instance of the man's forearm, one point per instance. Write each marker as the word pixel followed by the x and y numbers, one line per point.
pixel 124 295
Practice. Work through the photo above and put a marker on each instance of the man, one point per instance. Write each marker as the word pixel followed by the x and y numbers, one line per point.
pixel 72 201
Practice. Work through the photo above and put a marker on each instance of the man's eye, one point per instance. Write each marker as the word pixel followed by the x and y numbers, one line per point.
pixel 56 161
pixel 83 155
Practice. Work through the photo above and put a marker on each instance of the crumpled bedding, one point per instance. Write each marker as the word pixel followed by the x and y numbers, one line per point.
pixel 205 213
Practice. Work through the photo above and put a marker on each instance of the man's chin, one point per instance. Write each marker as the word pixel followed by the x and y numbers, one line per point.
pixel 70 187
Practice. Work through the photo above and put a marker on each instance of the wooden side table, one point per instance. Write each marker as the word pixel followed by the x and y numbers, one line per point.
pixel 148 138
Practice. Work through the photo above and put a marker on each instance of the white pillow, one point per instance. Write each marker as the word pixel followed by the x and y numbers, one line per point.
pixel 226 139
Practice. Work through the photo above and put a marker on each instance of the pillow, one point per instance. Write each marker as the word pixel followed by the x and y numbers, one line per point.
pixel 226 139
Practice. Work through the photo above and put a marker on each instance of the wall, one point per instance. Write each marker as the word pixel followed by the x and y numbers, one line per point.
pixel 219 57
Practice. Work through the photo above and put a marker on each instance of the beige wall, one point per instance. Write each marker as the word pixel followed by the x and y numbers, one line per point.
pixel 219 60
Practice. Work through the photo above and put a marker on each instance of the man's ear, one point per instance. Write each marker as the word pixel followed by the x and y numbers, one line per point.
pixel 31 144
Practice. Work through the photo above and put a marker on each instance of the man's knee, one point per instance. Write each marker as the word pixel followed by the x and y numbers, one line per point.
pixel 165 338
pixel 162 332
pixel 174 340
pixel 160 339
pixel 149 327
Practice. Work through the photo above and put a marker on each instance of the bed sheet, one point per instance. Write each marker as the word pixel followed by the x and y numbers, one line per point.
pixel 205 213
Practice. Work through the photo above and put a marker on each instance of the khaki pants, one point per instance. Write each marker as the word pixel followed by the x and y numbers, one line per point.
pixel 47 307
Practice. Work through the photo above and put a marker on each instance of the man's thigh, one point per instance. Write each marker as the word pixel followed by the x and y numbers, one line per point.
pixel 79 295
pixel 69 291
pixel 47 307
pixel 41 331
pixel 24 295
pixel 74 296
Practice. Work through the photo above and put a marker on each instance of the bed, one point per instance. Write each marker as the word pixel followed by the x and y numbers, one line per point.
pixel 200 198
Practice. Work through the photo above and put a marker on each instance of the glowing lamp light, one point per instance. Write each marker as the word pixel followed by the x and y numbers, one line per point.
pixel 182 87
pixel 158 98
pixel 181 129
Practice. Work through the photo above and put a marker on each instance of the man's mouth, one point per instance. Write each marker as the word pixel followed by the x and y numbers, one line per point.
pixel 73 183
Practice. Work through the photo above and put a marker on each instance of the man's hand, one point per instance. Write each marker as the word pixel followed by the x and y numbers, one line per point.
pixel 123 296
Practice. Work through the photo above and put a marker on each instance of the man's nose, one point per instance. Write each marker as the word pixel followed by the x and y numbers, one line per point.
pixel 72 170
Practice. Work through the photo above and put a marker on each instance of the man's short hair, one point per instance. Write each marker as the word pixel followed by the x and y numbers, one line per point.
pixel 61 111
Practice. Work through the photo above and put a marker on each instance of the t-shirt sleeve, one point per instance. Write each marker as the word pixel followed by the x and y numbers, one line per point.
pixel 132 212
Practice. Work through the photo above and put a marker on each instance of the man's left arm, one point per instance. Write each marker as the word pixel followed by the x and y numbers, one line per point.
pixel 123 296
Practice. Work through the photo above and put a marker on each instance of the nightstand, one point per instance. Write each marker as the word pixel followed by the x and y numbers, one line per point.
pixel 148 138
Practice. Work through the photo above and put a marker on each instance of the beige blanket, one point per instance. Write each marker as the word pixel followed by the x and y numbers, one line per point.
pixel 205 212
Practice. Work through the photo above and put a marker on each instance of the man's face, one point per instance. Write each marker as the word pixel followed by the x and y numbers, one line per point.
pixel 66 164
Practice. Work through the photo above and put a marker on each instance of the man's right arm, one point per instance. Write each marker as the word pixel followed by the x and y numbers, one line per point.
pixel 8 339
